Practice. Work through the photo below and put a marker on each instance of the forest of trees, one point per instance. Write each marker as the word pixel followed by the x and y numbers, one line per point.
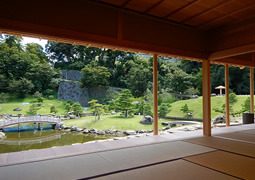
pixel 28 69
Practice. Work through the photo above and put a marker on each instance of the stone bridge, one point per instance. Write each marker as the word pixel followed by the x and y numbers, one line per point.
pixel 29 119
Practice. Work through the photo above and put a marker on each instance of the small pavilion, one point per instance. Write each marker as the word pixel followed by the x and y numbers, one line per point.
pixel 220 88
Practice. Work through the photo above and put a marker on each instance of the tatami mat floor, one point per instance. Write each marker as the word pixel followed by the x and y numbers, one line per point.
pixel 228 154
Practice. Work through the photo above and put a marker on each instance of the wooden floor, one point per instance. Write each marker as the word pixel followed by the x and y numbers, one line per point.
pixel 228 154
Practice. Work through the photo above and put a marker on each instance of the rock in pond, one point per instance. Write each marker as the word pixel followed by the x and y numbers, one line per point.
pixel 73 128
pixel 93 131
pixel 85 131
pixel 78 130
pixel 130 132
pixel 101 133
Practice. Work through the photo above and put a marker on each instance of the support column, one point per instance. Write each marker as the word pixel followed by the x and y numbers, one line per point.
pixel 251 90
pixel 19 127
pixel 155 94
pixel 39 126
pixel 206 98
pixel 227 95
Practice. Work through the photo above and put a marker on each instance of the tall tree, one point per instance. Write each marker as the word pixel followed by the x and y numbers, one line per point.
pixel 124 102
pixel 94 76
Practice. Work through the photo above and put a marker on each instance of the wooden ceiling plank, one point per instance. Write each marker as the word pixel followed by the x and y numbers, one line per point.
pixel 181 8
pixel 207 10
pixel 153 6
pixel 125 3
pixel 227 15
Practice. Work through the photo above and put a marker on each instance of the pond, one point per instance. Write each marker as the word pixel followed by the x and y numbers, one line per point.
pixel 25 140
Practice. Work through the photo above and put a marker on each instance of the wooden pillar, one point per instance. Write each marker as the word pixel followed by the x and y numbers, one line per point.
pixel 206 98
pixel 155 94
pixel 227 95
pixel 251 90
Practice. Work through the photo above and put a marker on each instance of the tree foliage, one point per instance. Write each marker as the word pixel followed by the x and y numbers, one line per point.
pixel 124 102
pixel 185 108
pixel 98 109
pixel 24 70
pixel 77 109
pixel 163 109
pixel 94 76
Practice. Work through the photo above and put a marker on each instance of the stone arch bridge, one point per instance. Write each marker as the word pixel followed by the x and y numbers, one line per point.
pixel 29 119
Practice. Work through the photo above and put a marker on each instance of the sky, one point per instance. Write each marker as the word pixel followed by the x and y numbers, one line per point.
pixel 26 40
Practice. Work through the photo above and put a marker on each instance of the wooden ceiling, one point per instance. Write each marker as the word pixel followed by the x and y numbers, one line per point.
pixel 221 31
pixel 201 14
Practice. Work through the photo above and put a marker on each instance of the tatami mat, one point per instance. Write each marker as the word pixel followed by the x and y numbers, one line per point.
pixel 144 155
pixel 82 166
pixel 250 131
pixel 225 144
pixel 176 170
pixel 249 138
pixel 236 165
pixel 63 168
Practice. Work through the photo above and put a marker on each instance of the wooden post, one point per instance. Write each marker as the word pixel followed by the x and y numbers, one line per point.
pixel 206 98
pixel 155 94
pixel 251 90
pixel 227 95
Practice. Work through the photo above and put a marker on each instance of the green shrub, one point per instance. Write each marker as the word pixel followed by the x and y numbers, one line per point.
pixel 53 109
pixel 40 99
pixel 4 97
pixel 185 109
pixel 163 109
pixel 70 102
pixel 232 98
pixel 51 97
pixel 48 92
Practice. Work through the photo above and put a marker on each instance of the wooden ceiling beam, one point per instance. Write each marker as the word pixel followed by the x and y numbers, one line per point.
pixel 235 62
pixel 207 10
pixel 125 3
pixel 153 6
pixel 181 8
pixel 226 15
pixel 249 48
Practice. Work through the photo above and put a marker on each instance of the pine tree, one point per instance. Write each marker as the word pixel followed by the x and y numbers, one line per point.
pixel 124 102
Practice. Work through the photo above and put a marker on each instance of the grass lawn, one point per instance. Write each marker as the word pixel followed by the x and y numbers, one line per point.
pixel 45 106
pixel 195 105
pixel 111 122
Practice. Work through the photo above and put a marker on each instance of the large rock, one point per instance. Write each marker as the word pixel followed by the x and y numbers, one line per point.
pixel 101 133
pixel 147 120
pixel 219 119
pixel 72 117
pixel 165 123
pixel 93 131
pixel 78 130
pixel 130 132
pixel 17 109
pixel 73 128
pixel 85 131
pixel 2 135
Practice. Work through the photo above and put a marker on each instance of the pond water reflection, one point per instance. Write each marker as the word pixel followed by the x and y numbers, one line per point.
pixel 25 140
